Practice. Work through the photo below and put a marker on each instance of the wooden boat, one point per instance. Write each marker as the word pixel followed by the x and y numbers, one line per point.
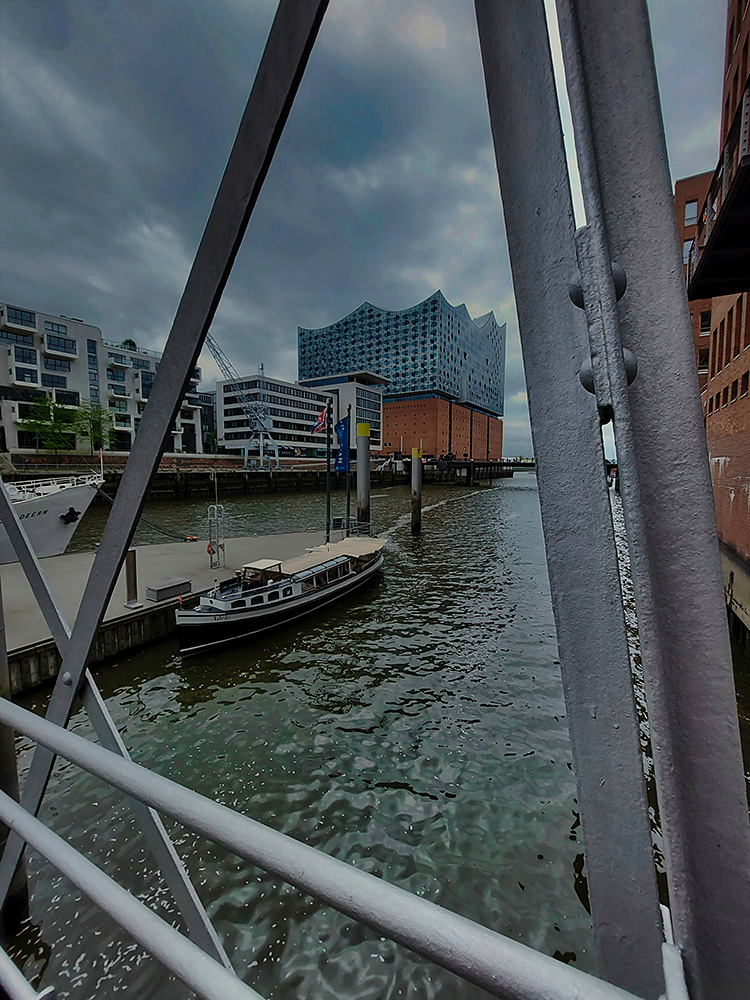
pixel 268 593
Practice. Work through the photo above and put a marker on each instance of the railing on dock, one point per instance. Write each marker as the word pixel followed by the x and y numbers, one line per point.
pixel 581 296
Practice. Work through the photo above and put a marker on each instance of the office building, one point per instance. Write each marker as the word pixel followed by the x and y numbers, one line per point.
pixel 363 391
pixel 208 420
pixel 292 412
pixel 430 350
pixel 69 361
pixel 441 427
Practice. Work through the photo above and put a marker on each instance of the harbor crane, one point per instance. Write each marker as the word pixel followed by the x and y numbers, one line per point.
pixel 255 410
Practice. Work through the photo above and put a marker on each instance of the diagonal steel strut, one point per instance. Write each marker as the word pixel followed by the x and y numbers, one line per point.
pixel 573 496
pixel 290 41
pixel 196 919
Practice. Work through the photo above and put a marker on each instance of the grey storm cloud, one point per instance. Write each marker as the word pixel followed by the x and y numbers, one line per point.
pixel 117 118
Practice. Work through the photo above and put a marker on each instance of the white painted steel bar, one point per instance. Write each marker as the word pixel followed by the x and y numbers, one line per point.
pixel 667 497
pixel 282 65
pixel 15 984
pixel 503 967
pixel 186 960
pixel 196 919
pixel 576 516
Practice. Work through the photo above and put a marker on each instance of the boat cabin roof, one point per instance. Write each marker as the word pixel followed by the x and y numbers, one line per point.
pixel 347 548
pixel 261 564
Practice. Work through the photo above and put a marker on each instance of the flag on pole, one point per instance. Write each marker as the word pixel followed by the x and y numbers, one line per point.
pixel 341 463
pixel 320 422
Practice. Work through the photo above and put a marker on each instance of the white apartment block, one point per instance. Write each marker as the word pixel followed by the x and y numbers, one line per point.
pixel 292 409
pixel 69 360
pixel 363 392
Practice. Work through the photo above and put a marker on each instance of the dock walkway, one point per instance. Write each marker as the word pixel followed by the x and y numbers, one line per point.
pixel 33 657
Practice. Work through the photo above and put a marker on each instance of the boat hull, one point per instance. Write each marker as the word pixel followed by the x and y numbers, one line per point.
pixel 49 521
pixel 199 631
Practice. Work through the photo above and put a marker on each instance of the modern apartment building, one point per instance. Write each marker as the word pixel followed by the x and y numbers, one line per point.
pixel 363 391
pixel 432 349
pixel 69 361
pixel 292 412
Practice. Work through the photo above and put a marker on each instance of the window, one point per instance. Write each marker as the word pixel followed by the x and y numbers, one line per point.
pixel 25 355
pixel 16 338
pixel 138 363
pixel 21 317
pixel 686 246
pixel 734 391
pixel 120 358
pixel 717 401
pixel 705 326
pixel 118 405
pixel 257 600
pixel 67 397
pixel 743 384
pixel 26 375
pixel 286 592
pixel 57 365
pixel 54 381
pixel 725 396
pixel 703 359
pixel 711 405
pixel 147 380
pixel 238 604
pixel 64 344
pixel 691 213
pixel 273 596
pixel 115 375
pixel 55 327
pixel 118 390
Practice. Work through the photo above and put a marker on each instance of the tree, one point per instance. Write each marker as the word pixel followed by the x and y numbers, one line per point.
pixel 95 424
pixel 53 425
pixel 129 344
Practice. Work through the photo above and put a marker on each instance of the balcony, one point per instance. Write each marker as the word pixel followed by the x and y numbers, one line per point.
pixel 118 360
pixel 59 347
pixel 719 261
pixel 118 392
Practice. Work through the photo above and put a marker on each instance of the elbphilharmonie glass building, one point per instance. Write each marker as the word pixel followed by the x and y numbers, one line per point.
pixel 430 349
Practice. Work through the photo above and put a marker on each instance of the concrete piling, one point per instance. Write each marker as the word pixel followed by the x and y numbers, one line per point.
pixel 416 490
pixel 363 475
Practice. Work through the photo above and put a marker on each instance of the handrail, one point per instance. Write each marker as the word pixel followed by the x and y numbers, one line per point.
pixel 31 485
pixel 16 985
pixel 186 960
pixel 500 965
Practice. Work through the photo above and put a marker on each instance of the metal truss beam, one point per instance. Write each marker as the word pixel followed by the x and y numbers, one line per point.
pixel 172 869
pixel 666 490
pixel 576 516
pixel 282 65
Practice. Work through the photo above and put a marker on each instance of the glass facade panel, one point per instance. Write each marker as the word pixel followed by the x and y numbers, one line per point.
pixel 22 317
pixel 54 381
pixel 65 344
pixel 27 375
pixel 56 365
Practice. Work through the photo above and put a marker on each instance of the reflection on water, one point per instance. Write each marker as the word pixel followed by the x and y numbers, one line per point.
pixel 416 731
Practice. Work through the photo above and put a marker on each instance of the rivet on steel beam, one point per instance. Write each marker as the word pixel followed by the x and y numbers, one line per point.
pixel 586 374
pixel 67 679
pixel 631 364
pixel 619 278
pixel 575 291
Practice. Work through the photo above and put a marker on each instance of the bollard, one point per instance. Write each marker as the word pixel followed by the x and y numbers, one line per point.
pixel 16 906
pixel 131 581
pixel 363 476
pixel 416 490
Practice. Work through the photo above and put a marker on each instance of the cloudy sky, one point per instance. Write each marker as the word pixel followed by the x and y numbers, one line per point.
pixel 117 117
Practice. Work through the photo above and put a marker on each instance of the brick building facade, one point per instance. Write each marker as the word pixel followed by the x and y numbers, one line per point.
pixel 440 427
pixel 689 195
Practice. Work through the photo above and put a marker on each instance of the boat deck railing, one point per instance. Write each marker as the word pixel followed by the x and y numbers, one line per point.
pixel 47 487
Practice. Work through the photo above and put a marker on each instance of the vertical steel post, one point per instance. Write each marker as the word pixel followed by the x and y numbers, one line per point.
pixel 573 494
pixel 16 903
pixel 363 475
pixel 329 422
pixel 416 490
pixel 666 491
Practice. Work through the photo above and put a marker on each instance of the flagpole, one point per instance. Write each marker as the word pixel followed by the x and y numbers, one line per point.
pixel 329 416
pixel 348 469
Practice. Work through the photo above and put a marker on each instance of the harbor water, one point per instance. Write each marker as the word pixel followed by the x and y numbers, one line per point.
pixel 416 730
